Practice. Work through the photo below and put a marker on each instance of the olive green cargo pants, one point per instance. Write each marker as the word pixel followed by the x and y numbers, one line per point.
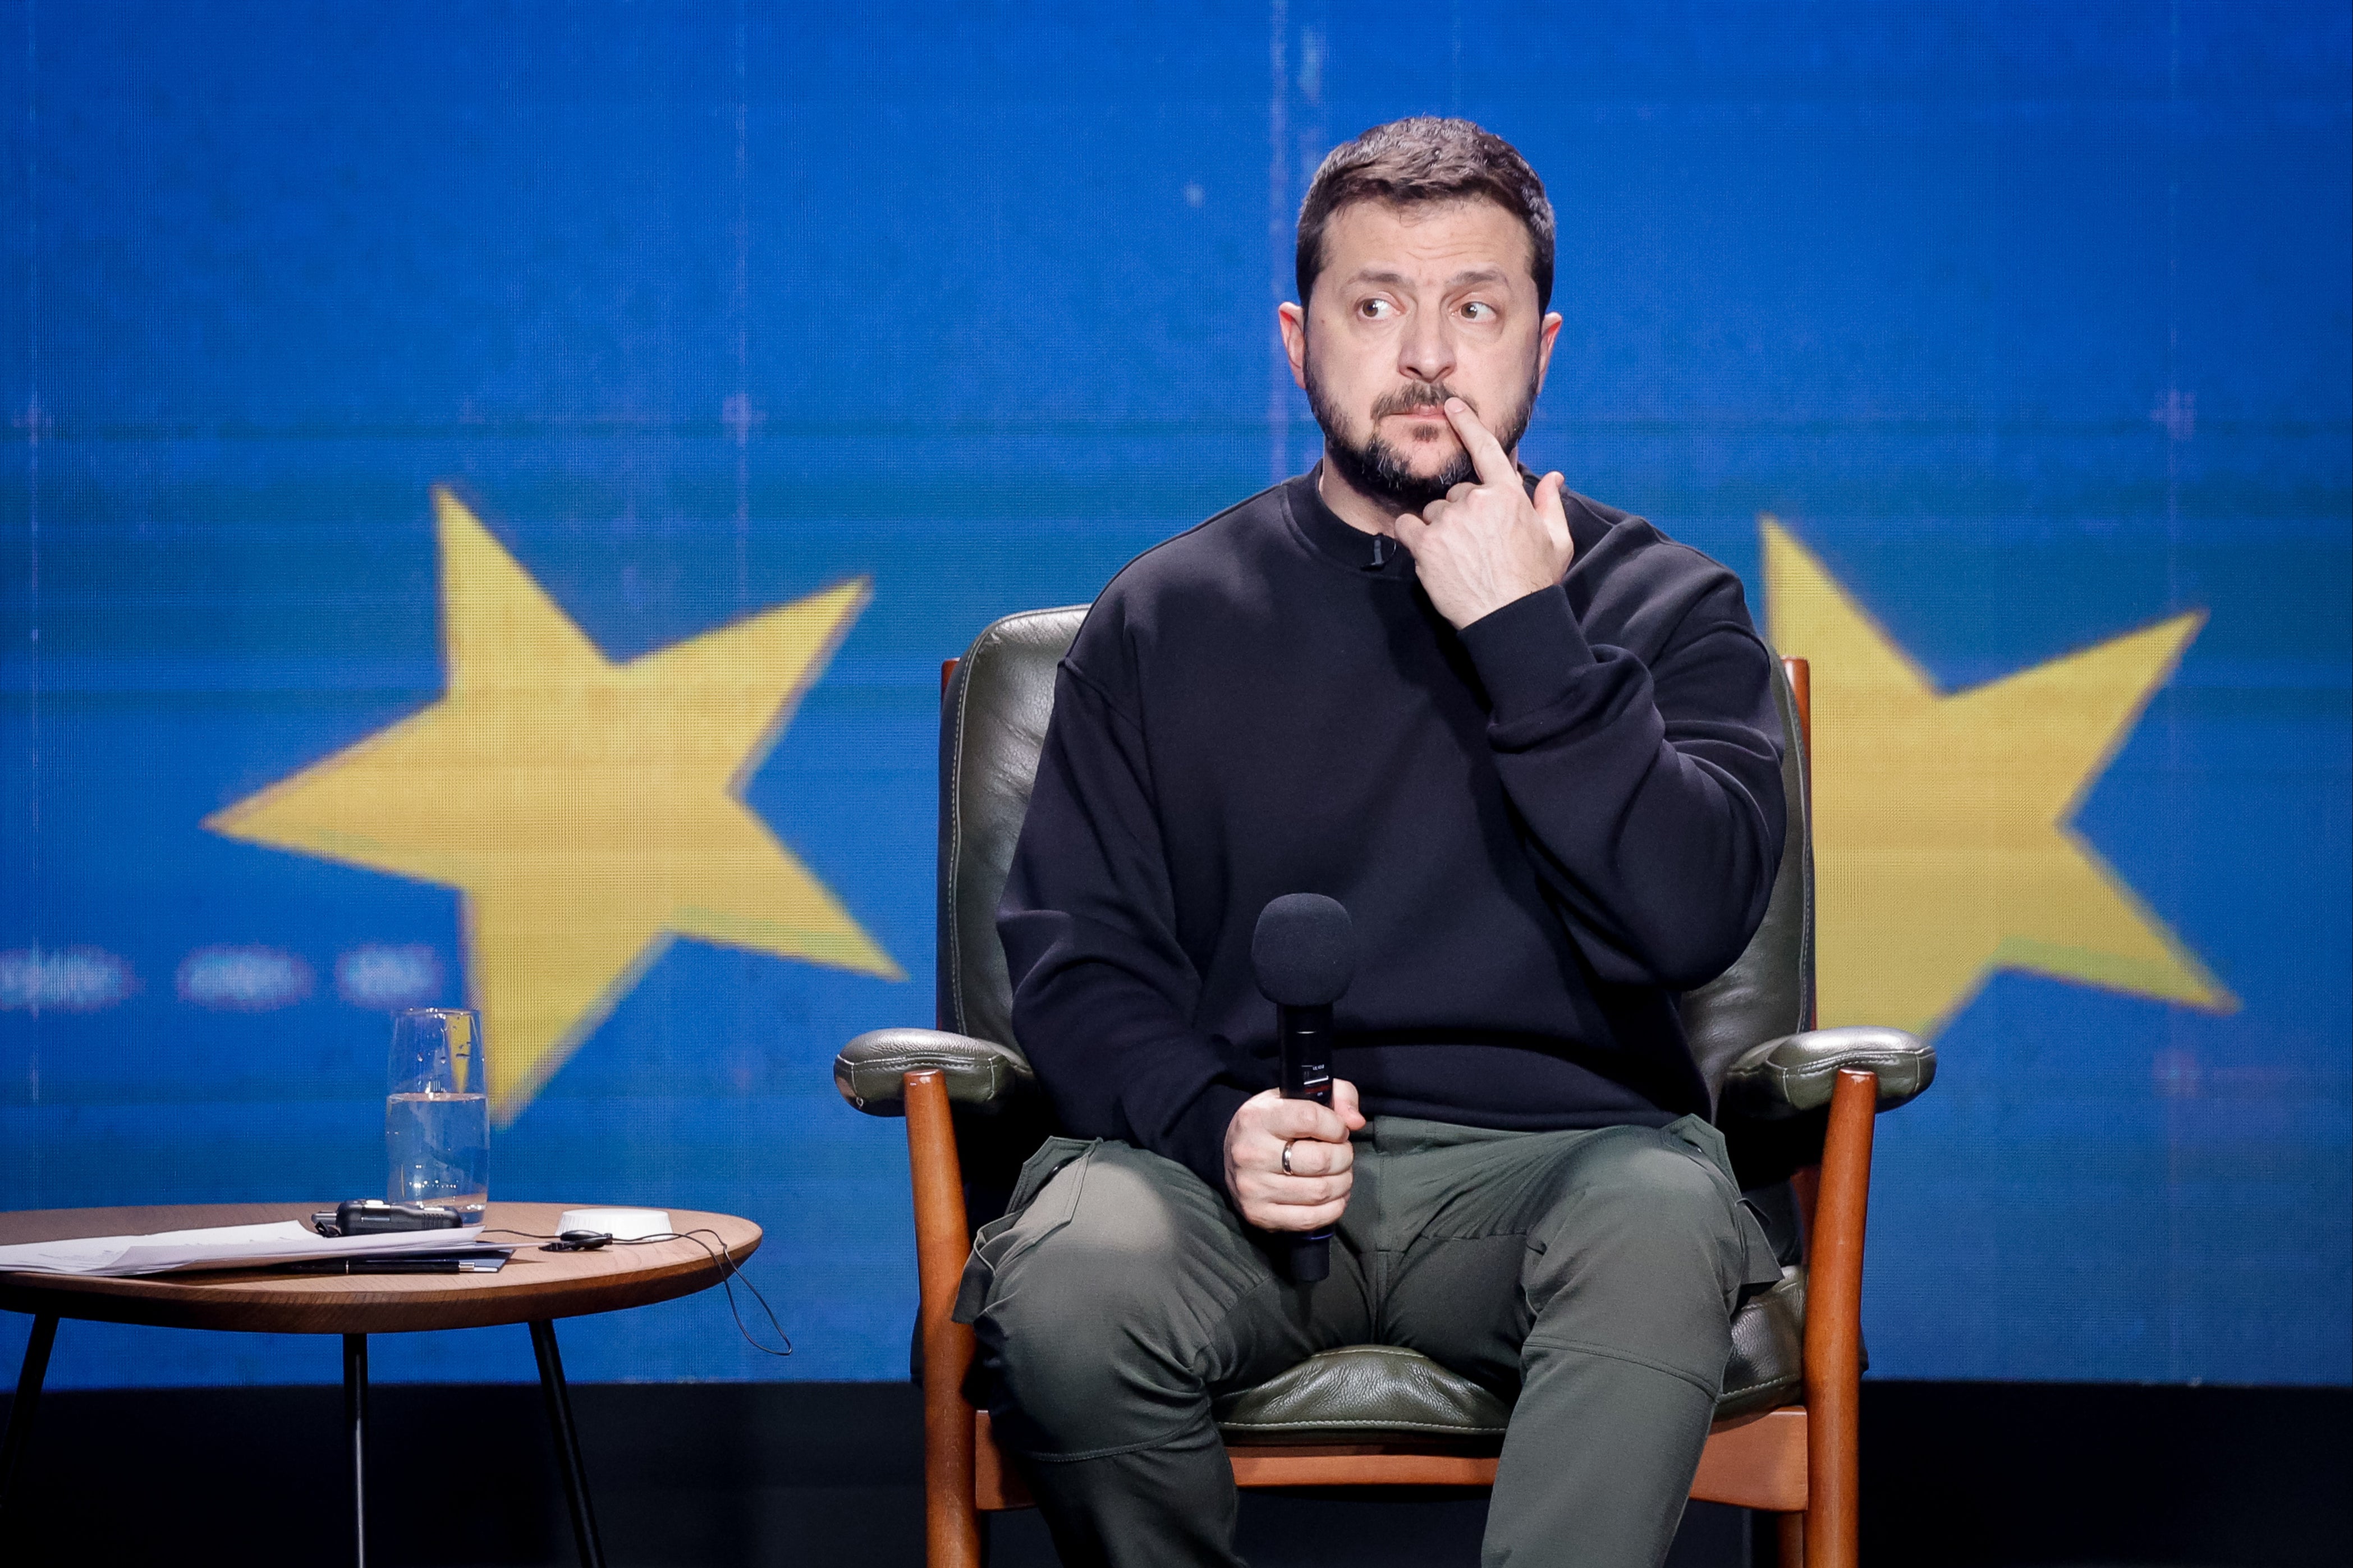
pixel 1592 1275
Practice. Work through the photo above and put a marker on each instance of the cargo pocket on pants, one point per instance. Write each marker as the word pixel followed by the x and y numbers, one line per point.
pixel 1027 1221
pixel 1758 1267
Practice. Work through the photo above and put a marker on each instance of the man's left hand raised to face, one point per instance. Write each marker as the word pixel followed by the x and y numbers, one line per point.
pixel 1487 543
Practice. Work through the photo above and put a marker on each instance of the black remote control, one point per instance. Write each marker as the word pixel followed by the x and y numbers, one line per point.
pixel 375 1217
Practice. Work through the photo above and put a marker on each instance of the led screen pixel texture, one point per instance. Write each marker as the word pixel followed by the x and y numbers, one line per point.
pixel 496 403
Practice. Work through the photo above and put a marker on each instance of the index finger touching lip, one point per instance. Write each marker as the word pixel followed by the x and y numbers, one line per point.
pixel 1487 454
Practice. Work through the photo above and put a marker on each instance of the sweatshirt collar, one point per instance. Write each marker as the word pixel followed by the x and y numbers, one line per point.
pixel 1374 554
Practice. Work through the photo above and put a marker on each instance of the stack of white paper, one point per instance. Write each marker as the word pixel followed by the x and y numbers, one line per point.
pixel 219 1246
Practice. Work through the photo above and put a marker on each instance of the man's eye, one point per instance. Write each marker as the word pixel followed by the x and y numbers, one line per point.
pixel 1376 309
pixel 1479 310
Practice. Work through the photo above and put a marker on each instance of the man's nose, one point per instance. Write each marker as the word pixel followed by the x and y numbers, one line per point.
pixel 1427 351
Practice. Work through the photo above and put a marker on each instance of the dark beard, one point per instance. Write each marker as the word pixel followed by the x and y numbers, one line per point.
pixel 1378 469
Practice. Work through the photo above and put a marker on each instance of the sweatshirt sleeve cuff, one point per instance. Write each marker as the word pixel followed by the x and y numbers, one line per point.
pixel 1527 653
pixel 1197 1141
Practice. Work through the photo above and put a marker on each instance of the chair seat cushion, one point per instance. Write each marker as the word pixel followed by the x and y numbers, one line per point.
pixel 1362 1394
pixel 1769 1349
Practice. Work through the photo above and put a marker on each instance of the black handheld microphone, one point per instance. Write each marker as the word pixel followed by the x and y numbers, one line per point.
pixel 1304 951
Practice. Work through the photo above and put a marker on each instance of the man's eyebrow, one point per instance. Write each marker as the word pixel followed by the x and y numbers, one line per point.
pixel 1469 275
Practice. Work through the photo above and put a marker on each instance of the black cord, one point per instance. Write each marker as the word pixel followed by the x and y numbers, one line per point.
pixel 728 1271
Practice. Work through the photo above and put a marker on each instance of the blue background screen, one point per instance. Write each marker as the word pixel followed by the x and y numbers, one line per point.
pixel 1986 337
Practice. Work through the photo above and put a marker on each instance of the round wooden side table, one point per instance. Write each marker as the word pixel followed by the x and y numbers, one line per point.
pixel 534 1287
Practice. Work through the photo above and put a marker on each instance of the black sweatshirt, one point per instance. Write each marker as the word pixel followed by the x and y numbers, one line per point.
pixel 1544 826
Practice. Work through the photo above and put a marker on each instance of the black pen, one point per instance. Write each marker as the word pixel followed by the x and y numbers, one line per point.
pixel 490 1262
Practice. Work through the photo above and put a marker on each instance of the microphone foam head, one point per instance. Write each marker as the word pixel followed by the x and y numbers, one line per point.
pixel 1304 950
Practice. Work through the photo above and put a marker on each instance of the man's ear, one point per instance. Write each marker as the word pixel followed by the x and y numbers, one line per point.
pixel 1545 335
pixel 1292 320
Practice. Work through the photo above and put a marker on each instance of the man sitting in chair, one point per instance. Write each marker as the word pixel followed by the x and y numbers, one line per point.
pixel 1530 743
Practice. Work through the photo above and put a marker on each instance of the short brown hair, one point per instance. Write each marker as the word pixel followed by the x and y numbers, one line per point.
pixel 1408 163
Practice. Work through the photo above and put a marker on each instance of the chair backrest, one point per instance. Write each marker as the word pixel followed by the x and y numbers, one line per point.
pixel 1768 991
pixel 993 723
pixel 992 726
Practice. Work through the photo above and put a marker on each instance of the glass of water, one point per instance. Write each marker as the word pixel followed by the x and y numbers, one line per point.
pixel 436 1116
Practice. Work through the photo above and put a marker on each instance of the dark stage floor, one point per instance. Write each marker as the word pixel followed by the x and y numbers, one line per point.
pixel 1954 1474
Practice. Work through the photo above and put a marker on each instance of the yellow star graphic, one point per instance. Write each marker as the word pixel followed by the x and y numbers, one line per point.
pixel 588 810
pixel 1943 832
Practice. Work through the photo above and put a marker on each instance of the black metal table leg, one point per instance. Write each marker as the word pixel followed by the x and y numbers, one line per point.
pixel 355 1430
pixel 567 1445
pixel 28 1400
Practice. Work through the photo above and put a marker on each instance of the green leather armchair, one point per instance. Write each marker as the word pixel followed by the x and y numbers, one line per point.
pixel 1796 1104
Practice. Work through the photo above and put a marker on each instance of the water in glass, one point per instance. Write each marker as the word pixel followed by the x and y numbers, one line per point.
pixel 437 1118
pixel 438 1148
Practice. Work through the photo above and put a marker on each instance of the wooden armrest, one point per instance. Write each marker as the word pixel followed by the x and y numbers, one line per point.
pixel 982 1075
pixel 1795 1073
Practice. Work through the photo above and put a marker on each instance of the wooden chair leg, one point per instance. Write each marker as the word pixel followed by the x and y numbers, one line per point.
pixel 1790 1539
pixel 1834 1329
pixel 951 1519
